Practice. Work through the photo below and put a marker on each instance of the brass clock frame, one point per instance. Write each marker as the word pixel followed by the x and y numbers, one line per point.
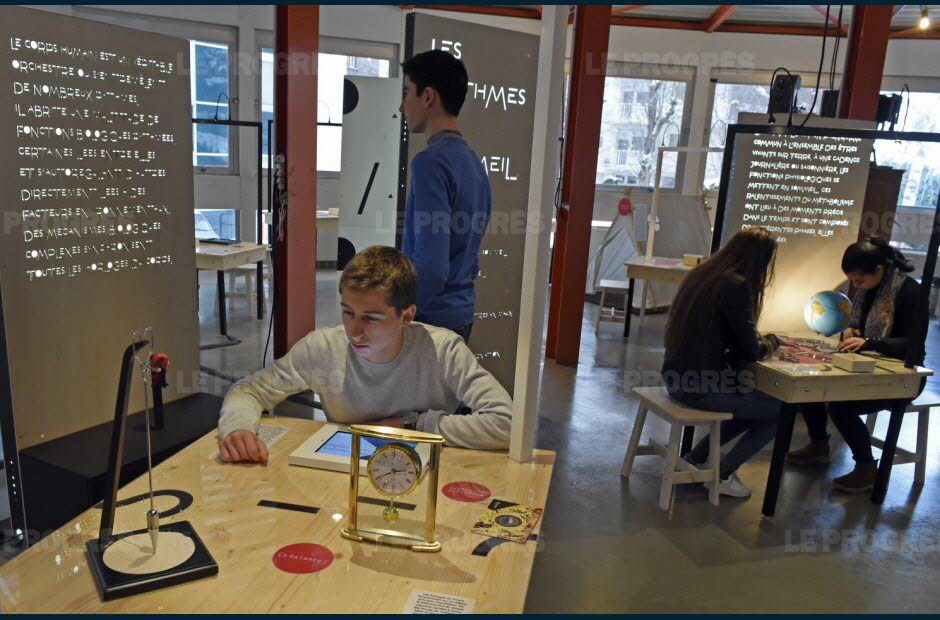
pixel 430 470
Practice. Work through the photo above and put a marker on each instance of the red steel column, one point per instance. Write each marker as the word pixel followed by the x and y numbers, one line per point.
pixel 573 227
pixel 297 39
pixel 865 61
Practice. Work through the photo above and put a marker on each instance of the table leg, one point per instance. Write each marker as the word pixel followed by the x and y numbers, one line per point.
pixel 781 445
pixel 259 279
pixel 220 289
pixel 629 309
pixel 688 436
pixel 887 453
pixel 646 290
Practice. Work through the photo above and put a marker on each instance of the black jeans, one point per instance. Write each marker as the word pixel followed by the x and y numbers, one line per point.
pixel 847 418
pixel 464 332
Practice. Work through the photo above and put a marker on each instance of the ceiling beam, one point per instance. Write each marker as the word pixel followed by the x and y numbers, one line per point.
pixel 808 31
pixel 832 18
pixel 502 11
pixel 721 14
pixel 916 33
pixel 626 9
pixel 648 22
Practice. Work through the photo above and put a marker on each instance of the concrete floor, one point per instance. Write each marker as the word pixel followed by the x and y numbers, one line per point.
pixel 606 547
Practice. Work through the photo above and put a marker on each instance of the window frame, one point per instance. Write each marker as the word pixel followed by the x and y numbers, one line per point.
pixel 329 45
pixel 749 77
pixel 916 84
pixel 651 71
pixel 191 31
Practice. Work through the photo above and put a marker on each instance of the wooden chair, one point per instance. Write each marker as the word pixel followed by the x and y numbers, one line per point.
pixel 921 406
pixel 617 316
pixel 656 400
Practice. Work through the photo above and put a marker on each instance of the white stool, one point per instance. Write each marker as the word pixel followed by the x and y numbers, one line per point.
pixel 657 401
pixel 922 407
pixel 617 316
pixel 247 272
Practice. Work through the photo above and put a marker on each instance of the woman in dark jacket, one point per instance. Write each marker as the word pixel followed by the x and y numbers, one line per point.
pixel 711 337
pixel 884 318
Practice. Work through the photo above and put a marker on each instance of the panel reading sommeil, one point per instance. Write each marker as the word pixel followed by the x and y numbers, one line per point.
pixel 497 121
pixel 97 211
pixel 809 192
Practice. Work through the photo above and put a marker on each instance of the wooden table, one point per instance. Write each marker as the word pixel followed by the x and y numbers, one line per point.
pixel 223 257
pixel 657 269
pixel 327 233
pixel 795 384
pixel 53 575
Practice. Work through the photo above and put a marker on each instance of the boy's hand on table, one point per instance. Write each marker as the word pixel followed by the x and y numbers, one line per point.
pixel 851 345
pixel 850 332
pixel 243 445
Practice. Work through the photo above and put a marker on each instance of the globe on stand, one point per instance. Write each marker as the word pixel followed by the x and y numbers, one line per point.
pixel 828 312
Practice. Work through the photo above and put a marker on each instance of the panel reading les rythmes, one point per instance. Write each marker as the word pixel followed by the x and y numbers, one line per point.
pixel 97 212
pixel 497 121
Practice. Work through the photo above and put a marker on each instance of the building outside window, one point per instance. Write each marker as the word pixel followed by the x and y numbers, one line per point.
pixel 920 160
pixel 210 99
pixel 731 99
pixel 639 114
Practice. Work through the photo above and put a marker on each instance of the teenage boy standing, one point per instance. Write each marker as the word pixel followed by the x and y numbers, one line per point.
pixel 449 200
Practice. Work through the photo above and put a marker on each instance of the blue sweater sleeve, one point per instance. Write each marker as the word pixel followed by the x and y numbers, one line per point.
pixel 430 225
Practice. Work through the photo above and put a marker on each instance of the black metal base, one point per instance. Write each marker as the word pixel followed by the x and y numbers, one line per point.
pixel 112 584
pixel 230 341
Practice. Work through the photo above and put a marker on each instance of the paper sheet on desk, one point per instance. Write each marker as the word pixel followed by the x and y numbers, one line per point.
pixel 424 602
pixel 268 433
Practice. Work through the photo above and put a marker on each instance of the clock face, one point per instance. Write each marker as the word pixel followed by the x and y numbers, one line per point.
pixel 393 470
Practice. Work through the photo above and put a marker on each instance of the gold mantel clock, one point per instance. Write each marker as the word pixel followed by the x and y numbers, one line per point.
pixel 395 472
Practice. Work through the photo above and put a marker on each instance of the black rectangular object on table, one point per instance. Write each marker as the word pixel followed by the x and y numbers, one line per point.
pixel 66 476
pixel 113 584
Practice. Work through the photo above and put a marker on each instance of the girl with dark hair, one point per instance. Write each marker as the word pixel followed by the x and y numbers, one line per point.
pixel 711 335
pixel 884 316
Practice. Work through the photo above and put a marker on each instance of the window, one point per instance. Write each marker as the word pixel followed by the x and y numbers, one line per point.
pixel 920 160
pixel 626 103
pixel 209 80
pixel 729 100
pixel 213 78
pixel 636 121
pixel 332 69
pixel 267 100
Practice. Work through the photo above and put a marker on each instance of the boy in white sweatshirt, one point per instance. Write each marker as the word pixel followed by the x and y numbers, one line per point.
pixel 379 367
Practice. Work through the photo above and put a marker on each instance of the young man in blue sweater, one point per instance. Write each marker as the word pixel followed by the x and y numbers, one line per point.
pixel 449 200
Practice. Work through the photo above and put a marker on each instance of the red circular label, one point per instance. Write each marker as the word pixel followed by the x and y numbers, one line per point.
pixel 302 558
pixel 465 491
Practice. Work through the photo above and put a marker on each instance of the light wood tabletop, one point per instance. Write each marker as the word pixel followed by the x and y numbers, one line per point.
pixel 53 575
pixel 657 268
pixel 793 382
pixel 222 257
pixel 796 384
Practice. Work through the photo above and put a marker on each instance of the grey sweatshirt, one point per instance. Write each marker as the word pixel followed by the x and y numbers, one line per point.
pixel 434 372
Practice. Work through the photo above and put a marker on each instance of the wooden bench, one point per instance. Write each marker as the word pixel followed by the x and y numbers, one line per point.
pixel 616 316
pixel 921 405
pixel 656 400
